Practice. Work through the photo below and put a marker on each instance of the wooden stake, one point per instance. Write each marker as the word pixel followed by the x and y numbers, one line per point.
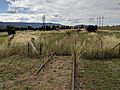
pixel 119 50
pixel 28 49
pixel 41 49
pixel 34 50
pixel 11 37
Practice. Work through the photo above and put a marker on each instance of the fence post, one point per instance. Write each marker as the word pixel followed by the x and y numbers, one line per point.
pixel 101 43
pixel 41 49
pixel 119 50
pixel 33 47
pixel 33 41
pixel 101 55
pixel 28 49
pixel 11 37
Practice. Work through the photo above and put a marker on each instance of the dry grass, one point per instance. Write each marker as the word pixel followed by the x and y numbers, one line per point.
pixel 16 73
pixel 91 45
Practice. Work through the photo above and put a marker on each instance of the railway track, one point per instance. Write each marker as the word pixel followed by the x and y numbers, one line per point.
pixel 73 68
pixel 43 65
pixel 55 73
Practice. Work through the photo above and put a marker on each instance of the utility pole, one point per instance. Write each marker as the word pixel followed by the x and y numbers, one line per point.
pixel 102 18
pixel 99 22
pixel 43 19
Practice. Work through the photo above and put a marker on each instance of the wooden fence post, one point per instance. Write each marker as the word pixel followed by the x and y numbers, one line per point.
pixel 33 46
pixel 101 44
pixel 119 50
pixel 11 37
pixel 33 41
pixel 101 55
pixel 41 48
pixel 28 49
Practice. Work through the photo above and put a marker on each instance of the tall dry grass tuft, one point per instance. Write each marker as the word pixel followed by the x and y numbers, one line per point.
pixel 98 47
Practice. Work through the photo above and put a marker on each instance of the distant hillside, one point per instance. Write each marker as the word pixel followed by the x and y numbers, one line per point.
pixel 23 24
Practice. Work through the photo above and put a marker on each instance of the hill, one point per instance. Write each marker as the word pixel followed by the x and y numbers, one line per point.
pixel 24 24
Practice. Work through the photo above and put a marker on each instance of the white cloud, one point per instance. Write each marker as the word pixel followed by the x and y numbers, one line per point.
pixel 62 11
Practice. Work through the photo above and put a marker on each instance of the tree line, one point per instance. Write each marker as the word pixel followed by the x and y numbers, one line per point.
pixel 42 28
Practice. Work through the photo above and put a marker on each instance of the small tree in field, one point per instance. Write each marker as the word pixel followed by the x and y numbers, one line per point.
pixel 10 30
pixel 91 28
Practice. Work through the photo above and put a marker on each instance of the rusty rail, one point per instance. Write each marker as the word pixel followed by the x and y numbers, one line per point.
pixel 43 65
pixel 73 70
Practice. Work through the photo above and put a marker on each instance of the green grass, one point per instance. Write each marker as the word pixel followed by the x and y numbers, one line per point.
pixel 98 75
pixel 3 38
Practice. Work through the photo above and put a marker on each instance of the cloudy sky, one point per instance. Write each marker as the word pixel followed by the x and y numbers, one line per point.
pixel 69 12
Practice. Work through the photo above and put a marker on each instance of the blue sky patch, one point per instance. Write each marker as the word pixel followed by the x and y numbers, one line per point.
pixel 3 6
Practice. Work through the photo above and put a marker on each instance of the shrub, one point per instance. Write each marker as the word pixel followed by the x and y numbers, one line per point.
pixel 10 30
pixel 91 28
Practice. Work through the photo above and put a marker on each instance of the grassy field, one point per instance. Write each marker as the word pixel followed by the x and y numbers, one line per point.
pixel 98 70
pixel 113 28
pixel 17 73
pixel 14 70
pixel 94 45
pixel 98 74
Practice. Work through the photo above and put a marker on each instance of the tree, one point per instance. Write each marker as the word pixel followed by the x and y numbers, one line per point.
pixel 91 28
pixel 10 30
pixel 29 28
